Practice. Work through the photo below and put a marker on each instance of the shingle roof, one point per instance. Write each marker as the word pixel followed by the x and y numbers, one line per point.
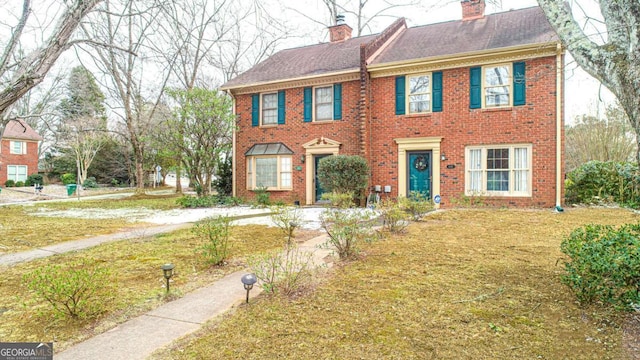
pixel 527 26
pixel 495 31
pixel 18 129
pixel 304 61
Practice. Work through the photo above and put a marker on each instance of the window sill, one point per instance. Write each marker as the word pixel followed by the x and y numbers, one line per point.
pixel 268 126
pixel 272 189
pixel 320 122
pixel 497 195
pixel 417 115
pixel 496 109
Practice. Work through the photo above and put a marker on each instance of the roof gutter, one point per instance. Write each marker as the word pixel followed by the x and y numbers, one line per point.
pixel 559 117
pixel 283 82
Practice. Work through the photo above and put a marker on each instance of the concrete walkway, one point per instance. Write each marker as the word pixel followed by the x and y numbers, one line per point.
pixel 67 246
pixel 139 337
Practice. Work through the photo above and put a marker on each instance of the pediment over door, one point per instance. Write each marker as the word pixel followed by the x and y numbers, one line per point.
pixel 323 144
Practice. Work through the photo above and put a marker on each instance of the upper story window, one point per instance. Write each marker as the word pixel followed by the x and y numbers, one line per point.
pixel 419 94
pixel 323 103
pixel 18 147
pixel 269 109
pixel 419 90
pixel 503 170
pixel 497 86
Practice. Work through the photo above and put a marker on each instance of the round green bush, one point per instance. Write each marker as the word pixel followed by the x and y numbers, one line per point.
pixel 343 174
pixel 19 183
pixel 9 183
pixel 604 265
pixel 34 179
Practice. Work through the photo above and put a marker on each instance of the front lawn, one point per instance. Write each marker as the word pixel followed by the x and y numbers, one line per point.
pixel 137 281
pixel 464 284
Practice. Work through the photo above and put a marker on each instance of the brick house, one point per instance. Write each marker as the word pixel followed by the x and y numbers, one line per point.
pixel 18 151
pixel 461 108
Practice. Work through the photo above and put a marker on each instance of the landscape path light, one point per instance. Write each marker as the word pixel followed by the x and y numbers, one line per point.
pixel 167 270
pixel 248 281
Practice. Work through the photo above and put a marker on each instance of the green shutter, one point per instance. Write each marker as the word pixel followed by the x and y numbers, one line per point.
pixel 475 88
pixel 519 84
pixel 337 101
pixel 307 104
pixel 436 91
pixel 255 109
pixel 400 95
pixel 281 107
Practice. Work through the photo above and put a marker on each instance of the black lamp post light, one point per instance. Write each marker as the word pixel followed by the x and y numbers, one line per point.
pixel 167 270
pixel 248 281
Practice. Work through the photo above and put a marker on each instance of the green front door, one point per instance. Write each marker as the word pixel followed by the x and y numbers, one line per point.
pixel 419 173
pixel 319 189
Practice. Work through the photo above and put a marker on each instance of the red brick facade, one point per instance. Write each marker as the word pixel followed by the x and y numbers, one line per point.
pixel 370 127
pixel 30 159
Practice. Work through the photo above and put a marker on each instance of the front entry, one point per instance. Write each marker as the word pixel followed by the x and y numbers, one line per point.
pixel 419 172
pixel 318 189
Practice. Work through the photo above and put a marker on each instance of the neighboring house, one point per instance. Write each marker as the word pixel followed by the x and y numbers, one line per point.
pixel 18 151
pixel 455 109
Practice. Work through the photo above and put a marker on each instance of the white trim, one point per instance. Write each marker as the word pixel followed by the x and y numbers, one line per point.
pixel 261 109
pixel 318 146
pixel 511 169
pixel 416 144
pixel 559 126
pixel 251 176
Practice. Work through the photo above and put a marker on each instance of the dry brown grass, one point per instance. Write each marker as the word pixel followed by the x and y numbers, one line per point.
pixel 465 284
pixel 139 282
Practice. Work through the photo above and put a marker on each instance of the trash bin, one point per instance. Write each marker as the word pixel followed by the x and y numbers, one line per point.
pixel 71 188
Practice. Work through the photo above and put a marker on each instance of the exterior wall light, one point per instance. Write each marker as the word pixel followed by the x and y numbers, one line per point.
pixel 302 158
pixel 443 157
pixel 167 270
pixel 248 281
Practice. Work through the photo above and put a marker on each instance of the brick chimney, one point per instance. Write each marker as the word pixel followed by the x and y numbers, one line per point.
pixel 340 31
pixel 472 9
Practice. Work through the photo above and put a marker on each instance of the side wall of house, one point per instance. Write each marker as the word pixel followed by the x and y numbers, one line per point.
pixel 459 126
pixel 294 133
pixel 30 159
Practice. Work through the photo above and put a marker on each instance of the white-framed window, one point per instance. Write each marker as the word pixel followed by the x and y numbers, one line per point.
pixel 17 172
pixel 419 93
pixel 17 147
pixel 272 172
pixel 323 103
pixel 503 170
pixel 269 109
pixel 496 85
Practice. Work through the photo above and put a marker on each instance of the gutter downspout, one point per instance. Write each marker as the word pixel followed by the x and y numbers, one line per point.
pixel 233 146
pixel 559 97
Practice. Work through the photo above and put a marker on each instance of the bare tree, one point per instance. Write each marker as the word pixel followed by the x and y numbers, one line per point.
pixel 592 138
pixel 613 56
pixel 21 71
pixel 137 76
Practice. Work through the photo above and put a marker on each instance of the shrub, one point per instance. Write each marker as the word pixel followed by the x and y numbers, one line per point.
pixel 9 183
pixel 34 179
pixel 604 264
pixel 343 174
pixel 287 219
pixel 262 196
pixel 206 201
pixel 394 218
pixel 346 230
pixel 68 178
pixel 79 289
pixel 90 183
pixel 283 272
pixel 215 231
pixel 417 204
pixel 339 200
pixel 598 181
pixel 19 183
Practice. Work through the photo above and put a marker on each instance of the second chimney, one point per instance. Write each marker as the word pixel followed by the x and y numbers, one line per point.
pixel 472 9
pixel 340 31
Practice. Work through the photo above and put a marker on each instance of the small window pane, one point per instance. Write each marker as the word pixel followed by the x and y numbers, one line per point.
pixel 497 181
pixel 498 75
pixel 324 112
pixel 285 179
pixel 285 164
pixel 419 103
pixel 419 84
